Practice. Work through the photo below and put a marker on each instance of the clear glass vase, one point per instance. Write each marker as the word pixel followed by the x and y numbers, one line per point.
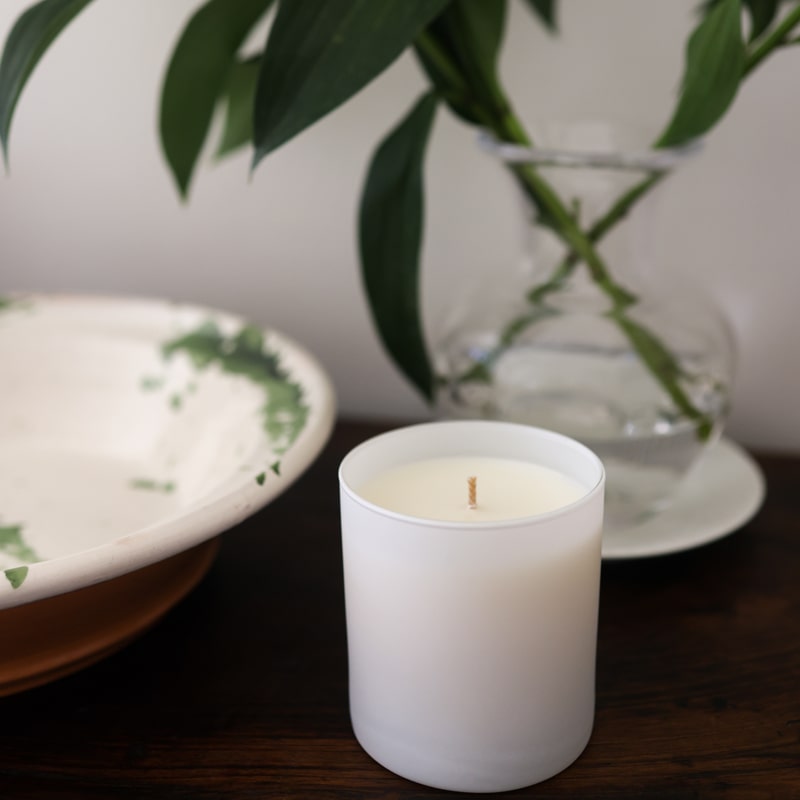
pixel 594 343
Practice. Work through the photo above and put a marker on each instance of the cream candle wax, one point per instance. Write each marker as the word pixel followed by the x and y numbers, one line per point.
pixel 472 631
pixel 442 488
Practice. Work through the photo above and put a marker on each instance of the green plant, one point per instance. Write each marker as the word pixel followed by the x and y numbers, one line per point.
pixel 319 53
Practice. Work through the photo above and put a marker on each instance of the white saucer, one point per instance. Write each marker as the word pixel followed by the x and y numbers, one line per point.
pixel 724 490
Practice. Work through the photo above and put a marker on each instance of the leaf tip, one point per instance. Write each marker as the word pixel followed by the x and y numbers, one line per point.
pixel 181 185
pixel 259 154
pixel 4 149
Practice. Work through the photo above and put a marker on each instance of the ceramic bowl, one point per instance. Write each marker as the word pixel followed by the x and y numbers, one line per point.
pixel 132 433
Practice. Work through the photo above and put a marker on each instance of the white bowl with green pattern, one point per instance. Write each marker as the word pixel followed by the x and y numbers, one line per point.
pixel 133 430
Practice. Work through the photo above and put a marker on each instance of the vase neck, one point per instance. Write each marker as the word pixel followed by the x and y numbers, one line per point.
pixel 620 238
pixel 588 208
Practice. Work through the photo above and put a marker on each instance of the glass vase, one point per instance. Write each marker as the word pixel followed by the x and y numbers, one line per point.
pixel 588 338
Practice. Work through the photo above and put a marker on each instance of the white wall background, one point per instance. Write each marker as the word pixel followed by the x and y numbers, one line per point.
pixel 89 205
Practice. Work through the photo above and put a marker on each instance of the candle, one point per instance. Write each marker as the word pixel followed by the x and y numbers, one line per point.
pixel 472 631
pixel 439 488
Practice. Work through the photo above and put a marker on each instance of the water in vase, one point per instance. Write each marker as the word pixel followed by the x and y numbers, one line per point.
pixel 601 396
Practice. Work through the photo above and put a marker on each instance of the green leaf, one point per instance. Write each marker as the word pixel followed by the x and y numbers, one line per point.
pixel 459 53
pixel 546 11
pixel 321 52
pixel 197 76
pixel 762 14
pixel 390 235
pixel 475 30
pixel 33 32
pixel 715 58
pixel 239 98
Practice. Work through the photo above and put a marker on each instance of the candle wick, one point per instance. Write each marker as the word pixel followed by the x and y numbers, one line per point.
pixel 472 484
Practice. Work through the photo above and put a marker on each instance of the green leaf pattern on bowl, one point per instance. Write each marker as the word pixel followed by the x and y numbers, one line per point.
pixel 244 353
pixel 16 576
pixel 13 545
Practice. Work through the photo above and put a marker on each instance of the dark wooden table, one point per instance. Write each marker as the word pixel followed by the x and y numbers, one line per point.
pixel 241 690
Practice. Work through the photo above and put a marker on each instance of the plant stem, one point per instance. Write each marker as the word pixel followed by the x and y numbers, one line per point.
pixel 598 230
pixel 538 294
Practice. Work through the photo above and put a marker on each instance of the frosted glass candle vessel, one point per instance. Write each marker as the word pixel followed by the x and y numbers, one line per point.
pixel 472 631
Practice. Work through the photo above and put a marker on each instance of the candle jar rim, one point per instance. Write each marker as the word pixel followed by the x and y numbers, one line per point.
pixel 512 428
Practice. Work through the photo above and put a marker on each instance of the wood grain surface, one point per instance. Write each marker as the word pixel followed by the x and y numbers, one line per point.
pixel 241 690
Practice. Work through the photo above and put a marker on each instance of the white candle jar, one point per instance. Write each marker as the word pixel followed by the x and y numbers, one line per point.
pixel 471 645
